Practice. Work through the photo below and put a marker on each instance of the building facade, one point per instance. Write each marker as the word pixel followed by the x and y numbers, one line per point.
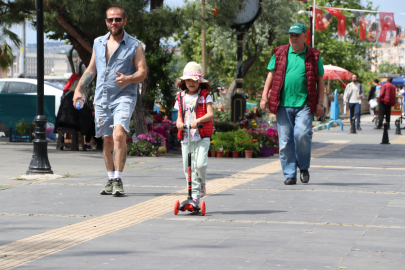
pixel 389 52
pixel 54 65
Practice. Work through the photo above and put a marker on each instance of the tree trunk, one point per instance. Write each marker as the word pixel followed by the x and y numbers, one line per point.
pixel 232 87
pixel 70 58
pixel 139 116
pixel 152 44
pixel 84 55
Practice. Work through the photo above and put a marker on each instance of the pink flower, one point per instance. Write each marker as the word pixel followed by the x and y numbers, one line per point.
pixel 158 118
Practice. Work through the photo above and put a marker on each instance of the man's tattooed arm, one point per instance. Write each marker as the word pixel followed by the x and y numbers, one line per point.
pixel 85 81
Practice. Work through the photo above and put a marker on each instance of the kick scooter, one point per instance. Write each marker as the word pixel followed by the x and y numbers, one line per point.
pixel 189 204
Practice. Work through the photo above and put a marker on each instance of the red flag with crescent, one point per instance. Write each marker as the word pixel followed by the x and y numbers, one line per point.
pixel 318 20
pixel 387 23
pixel 308 41
pixel 342 25
pixel 362 31
pixel 334 12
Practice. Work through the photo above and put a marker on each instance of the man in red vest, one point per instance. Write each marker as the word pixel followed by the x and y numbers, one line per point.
pixel 296 74
pixel 385 101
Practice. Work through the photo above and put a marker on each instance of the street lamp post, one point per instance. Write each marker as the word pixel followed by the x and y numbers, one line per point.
pixel 248 13
pixel 309 12
pixel 239 99
pixel 39 162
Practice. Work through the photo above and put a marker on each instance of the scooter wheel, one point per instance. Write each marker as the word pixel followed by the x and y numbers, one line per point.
pixel 176 207
pixel 202 208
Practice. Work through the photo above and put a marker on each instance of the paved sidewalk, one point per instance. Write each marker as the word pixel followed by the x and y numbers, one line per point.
pixel 351 215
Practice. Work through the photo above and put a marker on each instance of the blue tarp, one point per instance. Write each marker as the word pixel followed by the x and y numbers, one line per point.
pixel 397 81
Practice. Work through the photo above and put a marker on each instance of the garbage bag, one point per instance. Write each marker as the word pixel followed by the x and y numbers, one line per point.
pixel 373 103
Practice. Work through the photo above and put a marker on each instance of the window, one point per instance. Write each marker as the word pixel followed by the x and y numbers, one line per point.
pixel 2 84
pixel 19 87
pixel 33 88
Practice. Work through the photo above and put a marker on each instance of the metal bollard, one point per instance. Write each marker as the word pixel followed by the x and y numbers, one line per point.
pixel 398 125
pixel 353 127
pixel 385 139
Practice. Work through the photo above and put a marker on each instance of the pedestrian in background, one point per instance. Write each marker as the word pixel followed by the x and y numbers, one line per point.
pixel 119 63
pixel 297 89
pixel 354 92
pixel 402 91
pixel 371 95
pixel 385 101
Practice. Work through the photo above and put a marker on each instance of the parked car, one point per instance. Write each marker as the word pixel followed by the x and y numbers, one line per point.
pixel 29 87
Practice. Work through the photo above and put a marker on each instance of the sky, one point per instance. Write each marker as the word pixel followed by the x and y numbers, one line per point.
pixel 384 5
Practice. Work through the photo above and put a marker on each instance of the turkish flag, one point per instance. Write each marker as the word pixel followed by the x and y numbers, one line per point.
pixel 342 25
pixel 318 20
pixel 387 23
pixel 334 12
pixel 362 31
pixel 308 37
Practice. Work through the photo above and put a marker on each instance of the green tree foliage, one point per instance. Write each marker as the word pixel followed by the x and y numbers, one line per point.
pixel 387 67
pixel 268 31
pixel 6 55
pixel 348 52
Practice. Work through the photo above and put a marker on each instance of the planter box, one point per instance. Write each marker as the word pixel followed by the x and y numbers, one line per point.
pixel 16 138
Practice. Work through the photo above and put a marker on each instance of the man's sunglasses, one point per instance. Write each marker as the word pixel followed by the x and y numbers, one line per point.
pixel 110 20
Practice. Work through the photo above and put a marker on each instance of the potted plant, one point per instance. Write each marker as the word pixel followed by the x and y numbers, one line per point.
pixel 142 148
pixel 250 147
pixel 220 152
pixel 228 147
pixel 23 131
pixel 267 141
pixel 212 150
pixel 240 136
pixel 219 148
pixel 237 148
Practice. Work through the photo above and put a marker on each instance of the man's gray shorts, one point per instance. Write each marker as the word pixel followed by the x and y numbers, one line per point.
pixel 110 116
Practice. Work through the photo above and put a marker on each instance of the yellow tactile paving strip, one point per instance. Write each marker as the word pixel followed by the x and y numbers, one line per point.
pixel 399 140
pixel 351 167
pixel 41 245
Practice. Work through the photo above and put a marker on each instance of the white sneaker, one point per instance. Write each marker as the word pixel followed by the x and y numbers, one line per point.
pixel 197 201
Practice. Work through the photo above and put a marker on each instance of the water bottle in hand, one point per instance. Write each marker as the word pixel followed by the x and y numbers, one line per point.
pixel 80 103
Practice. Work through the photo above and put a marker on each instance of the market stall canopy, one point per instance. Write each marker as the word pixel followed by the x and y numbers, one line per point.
pixel 397 81
pixel 336 73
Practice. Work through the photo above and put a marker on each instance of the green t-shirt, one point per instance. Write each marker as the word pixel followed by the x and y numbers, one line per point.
pixel 294 91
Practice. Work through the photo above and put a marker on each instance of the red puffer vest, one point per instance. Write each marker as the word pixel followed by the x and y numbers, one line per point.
pixel 311 69
pixel 201 110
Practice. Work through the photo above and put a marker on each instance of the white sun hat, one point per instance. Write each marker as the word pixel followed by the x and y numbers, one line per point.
pixel 194 72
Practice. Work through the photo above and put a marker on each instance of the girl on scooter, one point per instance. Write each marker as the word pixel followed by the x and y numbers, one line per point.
pixel 194 105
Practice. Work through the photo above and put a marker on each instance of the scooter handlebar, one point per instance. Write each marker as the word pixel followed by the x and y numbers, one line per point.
pixel 198 125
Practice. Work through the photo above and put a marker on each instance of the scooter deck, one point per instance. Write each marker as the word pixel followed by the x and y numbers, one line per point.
pixel 189 205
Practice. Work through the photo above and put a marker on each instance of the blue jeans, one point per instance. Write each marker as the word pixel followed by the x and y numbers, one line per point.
pixel 356 106
pixel 295 138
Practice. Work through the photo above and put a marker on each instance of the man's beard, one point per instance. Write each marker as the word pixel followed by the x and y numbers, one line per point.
pixel 116 32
